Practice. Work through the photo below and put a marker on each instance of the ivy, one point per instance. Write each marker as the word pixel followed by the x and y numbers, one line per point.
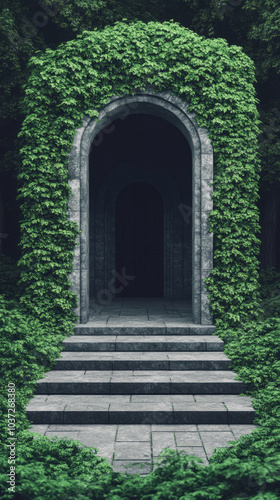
pixel 79 78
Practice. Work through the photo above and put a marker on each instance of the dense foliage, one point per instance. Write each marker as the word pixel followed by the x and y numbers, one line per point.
pixel 77 79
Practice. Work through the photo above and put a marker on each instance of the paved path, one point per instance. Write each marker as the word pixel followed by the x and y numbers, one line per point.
pixel 134 448
pixel 106 377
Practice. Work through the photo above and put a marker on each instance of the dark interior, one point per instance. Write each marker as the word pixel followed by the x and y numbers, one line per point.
pixel 139 239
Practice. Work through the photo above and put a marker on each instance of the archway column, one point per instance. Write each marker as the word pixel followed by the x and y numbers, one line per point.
pixel 174 110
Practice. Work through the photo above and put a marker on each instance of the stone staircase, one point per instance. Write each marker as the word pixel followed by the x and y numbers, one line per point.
pixel 141 375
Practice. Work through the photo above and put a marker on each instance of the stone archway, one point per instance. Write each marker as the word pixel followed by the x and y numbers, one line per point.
pixel 174 110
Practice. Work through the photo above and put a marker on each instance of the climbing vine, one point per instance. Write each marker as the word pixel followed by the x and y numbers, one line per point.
pixel 78 79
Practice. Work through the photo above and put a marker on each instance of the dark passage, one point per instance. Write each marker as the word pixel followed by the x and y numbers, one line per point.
pixel 139 239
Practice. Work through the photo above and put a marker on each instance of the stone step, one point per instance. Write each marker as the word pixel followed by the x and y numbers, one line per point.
pixel 140 382
pixel 143 343
pixel 142 361
pixel 172 409
pixel 133 327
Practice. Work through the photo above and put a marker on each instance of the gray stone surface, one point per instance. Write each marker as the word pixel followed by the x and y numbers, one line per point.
pixel 143 343
pixel 142 361
pixel 162 440
pixel 139 445
pixel 187 439
pixel 132 450
pixel 241 430
pixel 134 433
pixel 40 428
pixel 212 440
pixel 170 409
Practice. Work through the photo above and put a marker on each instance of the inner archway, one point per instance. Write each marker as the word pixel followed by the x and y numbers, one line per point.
pixel 152 155
pixel 139 240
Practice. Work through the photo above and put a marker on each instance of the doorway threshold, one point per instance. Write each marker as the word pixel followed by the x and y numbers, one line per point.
pixel 142 311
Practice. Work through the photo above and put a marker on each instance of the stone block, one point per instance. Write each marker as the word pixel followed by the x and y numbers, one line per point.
pixel 177 101
pixel 141 413
pixel 84 199
pixel 206 195
pixel 161 440
pixel 196 256
pixel 77 259
pixel 187 438
pixel 207 166
pixel 74 196
pixel 205 223
pixel 140 387
pixel 102 115
pixel 241 430
pixel 196 279
pixel 86 413
pixel 202 330
pixel 212 440
pixel 207 253
pixel 136 433
pixel 132 451
pixel 84 240
pixel 197 195
pixel 49 415
pixel 206 317
pixel 41 429
pixel 166 94
pixel 174 428
pixel 240 414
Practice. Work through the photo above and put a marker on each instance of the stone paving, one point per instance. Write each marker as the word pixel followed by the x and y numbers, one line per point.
pixel 132 311
pixel 134 448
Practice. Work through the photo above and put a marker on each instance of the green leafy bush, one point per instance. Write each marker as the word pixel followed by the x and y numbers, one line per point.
pixel 51 468
pixel 28 348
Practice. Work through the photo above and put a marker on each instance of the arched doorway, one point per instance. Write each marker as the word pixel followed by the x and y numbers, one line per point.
pixel 140 149
pixel 139 239
pixel 175 111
